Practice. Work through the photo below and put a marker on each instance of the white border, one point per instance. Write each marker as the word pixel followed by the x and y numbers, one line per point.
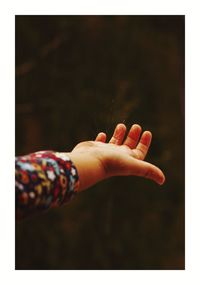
pixel 8 10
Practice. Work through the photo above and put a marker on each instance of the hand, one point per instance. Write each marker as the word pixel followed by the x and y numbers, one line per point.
pixel 97 160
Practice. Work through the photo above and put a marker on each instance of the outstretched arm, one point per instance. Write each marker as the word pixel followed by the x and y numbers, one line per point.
pixel 49 179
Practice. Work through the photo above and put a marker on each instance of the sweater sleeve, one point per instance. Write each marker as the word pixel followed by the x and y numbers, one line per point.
pixel 43 180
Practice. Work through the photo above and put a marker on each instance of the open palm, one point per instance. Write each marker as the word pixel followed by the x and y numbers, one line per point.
pixel 123 155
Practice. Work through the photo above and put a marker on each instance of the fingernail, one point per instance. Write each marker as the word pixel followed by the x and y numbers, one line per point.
pixel 161 180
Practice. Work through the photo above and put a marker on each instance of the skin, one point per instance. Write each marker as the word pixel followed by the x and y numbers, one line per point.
pixel 123 155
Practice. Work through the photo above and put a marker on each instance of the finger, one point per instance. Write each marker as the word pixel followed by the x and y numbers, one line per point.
pixel 101 137
pixel 118 135
pixel 143 145
pixel 133 136
pixel 150 171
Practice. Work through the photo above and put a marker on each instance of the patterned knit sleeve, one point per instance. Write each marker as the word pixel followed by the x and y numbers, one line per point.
pixel 43 180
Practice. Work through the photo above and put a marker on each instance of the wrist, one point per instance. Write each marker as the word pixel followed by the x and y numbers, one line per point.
pixel 89 168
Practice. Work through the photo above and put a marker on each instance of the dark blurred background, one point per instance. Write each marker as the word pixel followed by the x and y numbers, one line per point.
pixel 76 76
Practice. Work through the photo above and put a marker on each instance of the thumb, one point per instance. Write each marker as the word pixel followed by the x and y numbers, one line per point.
pixel 149 171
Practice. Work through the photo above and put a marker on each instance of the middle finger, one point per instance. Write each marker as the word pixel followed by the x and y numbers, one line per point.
pixel 133 136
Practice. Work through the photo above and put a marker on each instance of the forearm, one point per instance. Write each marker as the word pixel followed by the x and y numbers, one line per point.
pixel 43 180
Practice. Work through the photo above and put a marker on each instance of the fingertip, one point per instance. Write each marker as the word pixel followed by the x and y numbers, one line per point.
pixel 118 134
pixel 161 179
pixel 135 131
pixel 102 134
pixel 156 174
pixel 137 127
pixel 101 137
pixel 121 126
pixel 148 133
pixel 146 138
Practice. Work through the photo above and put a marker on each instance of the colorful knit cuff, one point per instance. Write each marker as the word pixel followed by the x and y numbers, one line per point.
pixel 44 179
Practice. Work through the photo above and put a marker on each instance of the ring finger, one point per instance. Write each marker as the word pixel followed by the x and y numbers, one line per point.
pixel 118 134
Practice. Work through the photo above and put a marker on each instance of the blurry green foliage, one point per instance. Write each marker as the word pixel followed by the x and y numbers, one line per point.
pixel 76 76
